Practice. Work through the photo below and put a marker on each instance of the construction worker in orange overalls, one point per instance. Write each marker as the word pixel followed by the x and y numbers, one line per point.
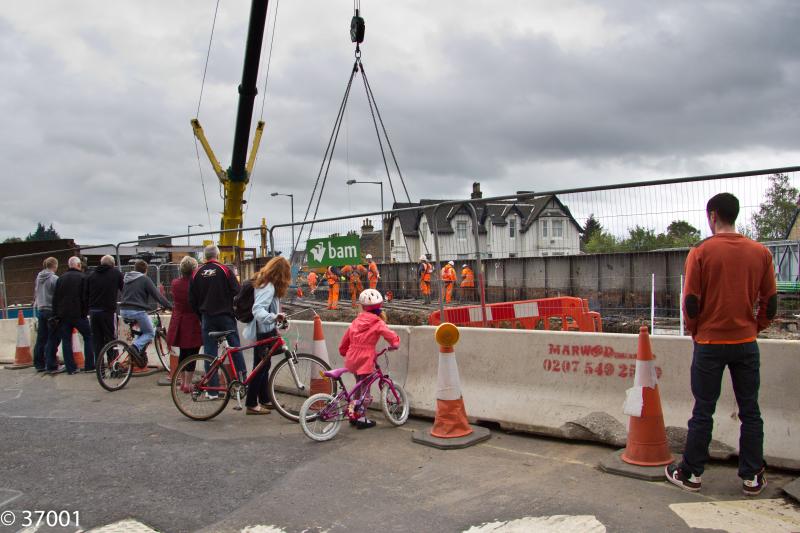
pixel 467 283
pixel 332 276
pixel 425 270
pixel 312 282
pixel 449 279
pixel 353 274
pixel 373 275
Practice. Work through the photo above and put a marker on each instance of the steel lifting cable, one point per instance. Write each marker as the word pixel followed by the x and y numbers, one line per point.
pixel 197 113
pixel 263 101
pixel 327 158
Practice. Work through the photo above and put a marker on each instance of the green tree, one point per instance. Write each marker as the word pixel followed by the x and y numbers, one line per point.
pixel 680 234
pixel 12 240
pixel 775 213
pixel 591 229
pixel 43 234
pixel 601 243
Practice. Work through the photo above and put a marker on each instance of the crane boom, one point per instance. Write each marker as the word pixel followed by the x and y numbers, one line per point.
pixel 235 179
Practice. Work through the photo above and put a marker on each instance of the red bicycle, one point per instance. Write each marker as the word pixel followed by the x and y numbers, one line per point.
pixel 210 385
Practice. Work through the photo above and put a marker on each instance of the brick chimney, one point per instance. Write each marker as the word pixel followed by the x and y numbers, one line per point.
pixel 476 191
pixel 367 227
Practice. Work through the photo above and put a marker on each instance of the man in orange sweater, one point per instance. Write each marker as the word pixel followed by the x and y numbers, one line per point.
pixel 727 275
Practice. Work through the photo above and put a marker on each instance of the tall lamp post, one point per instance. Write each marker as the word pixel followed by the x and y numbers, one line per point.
pixel 291 196
pixel 189 230
pixel 383 237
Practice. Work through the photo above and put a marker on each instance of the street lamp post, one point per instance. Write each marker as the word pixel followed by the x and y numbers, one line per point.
pixel 383 237
pixel 291 197
pixel 189 230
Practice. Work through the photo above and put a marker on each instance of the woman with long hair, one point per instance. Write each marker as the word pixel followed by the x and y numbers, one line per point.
pixel 269 286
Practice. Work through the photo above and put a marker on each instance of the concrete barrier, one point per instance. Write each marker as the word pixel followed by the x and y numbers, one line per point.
pixel 571 385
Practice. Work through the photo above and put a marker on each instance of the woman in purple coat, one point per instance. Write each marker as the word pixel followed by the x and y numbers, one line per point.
pixel 184 327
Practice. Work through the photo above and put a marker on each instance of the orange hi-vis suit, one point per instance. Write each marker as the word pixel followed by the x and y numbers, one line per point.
pixel 333 292
pixel 467 278
pixel 312 281
pixel 353 274
pixel 373 275
pixel 449 278
pixel 425 271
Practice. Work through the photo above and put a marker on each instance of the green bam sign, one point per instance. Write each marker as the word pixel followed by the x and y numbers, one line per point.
pixel 333 251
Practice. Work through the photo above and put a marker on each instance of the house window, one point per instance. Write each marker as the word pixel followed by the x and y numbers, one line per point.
pixel 397 234
pixel 558 228
pixel 424 230
pixel 512 227
pixel 461 230
pixel 544 228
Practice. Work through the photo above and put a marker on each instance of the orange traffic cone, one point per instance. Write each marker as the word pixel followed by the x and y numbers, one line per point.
pixel 389 296
pixel 299 292
pixel 451 429
pixel 319 383
pixel 22 355
pixel 647 436
pixel 77 351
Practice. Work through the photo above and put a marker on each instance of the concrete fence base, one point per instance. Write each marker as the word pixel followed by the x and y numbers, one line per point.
pixel 570 385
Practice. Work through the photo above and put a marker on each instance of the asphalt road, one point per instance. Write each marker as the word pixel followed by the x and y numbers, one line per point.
pixel 66 444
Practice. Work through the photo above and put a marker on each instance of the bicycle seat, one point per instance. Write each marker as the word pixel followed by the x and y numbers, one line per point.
pixel 130 321
pixel 219 334
pixel 336 373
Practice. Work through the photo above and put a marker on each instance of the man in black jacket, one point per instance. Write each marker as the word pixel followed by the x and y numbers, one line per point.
pixel 70 308
pixel 211 295
pixel 103 287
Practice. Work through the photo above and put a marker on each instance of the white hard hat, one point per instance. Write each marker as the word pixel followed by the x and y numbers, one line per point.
pixel 369 256
pixel 423 258
pixel 464 265
pixel 450 263
pixel 370 297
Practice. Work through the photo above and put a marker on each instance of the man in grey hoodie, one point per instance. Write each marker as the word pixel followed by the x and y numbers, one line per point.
pixel 137 291
pixel 44 353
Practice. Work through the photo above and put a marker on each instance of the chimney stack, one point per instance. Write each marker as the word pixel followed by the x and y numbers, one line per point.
pixel 476 191
pixel 367 227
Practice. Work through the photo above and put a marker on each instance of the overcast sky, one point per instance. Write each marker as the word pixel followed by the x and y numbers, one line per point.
pixel 96 98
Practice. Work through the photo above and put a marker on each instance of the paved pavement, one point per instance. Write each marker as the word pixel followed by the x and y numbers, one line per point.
pixel 128 461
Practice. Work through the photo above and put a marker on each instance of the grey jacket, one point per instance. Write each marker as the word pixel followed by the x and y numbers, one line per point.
pixel 137 292
pixel 44 288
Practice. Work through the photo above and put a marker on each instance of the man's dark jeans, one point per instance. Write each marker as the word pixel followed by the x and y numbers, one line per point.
pixel 222 323
pixel 82 325
pixel 708 364
pixel 102 323
pixel 44 353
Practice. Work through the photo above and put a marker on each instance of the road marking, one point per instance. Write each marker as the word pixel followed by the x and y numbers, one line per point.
pixel 263 529
pixel 740 516
pixel 541 456
pixel 16 397
pixel 543 524
pixel 8 495
pixel 128 525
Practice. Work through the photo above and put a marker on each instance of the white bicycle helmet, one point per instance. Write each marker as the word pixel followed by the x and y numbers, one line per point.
pixel 370 297
pixel 369 256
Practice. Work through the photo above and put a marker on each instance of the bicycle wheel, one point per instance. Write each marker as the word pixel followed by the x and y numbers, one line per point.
pixel 206 392
pixel 395 408
pixel 113 365
pixel 321 416
pixel 283 388
pixel 162 348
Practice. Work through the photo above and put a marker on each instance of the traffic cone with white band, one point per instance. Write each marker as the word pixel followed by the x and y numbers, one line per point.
pixel 647 450
pixel 451 428
pixel 22 355
pixel 647 435
pixel 319 383
pixel 77 350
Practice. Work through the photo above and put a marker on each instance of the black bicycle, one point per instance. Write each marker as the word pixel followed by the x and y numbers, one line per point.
pixel 114 364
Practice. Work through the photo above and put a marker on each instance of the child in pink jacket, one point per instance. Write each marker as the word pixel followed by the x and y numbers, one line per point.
pixel 358 344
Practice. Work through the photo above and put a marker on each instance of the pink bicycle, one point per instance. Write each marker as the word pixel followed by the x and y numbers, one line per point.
pixel 322 414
